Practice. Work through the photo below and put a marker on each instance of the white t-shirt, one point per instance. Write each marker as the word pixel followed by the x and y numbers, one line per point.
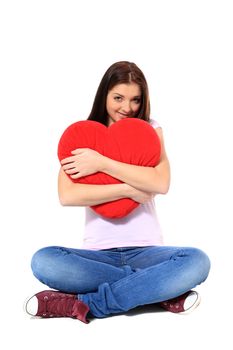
pixel 140 228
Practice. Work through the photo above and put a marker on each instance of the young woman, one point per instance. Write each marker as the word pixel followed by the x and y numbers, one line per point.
pixel 123 262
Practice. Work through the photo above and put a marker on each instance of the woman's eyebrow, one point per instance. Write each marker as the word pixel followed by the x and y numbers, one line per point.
pixel 117 93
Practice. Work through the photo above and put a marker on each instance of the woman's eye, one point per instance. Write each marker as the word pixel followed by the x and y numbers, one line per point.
pixel 117 98
pixel 137 100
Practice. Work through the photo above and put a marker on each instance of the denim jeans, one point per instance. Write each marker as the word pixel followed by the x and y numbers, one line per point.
pixel 115 280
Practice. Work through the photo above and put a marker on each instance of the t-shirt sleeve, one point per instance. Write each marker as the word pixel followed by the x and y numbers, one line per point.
pixel 155 124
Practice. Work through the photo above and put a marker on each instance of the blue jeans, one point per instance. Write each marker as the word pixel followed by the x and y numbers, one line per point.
pixel 116 280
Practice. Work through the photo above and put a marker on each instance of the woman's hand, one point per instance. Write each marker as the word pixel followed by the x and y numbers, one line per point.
pixel 139 196
pixel 85 161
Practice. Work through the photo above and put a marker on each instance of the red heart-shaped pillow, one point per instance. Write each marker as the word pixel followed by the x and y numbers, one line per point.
pixel 130 140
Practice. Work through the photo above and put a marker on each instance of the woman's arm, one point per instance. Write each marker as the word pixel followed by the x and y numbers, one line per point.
pixel 75 194
pixel 148 179
pixel 85 161
pixel 71 193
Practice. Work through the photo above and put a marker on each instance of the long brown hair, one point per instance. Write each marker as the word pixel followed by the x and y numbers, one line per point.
pixel 122 72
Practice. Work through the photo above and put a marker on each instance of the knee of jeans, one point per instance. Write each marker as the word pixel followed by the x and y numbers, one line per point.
pixel 202 263
pixel 40 260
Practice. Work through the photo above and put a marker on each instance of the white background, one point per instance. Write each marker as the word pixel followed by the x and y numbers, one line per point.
pixel 53 55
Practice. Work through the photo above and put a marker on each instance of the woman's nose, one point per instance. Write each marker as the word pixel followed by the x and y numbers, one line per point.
pixel 126 107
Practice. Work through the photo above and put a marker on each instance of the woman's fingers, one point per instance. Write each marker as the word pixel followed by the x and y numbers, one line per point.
pixel 71 171
pixel 68 160
pixel 68 166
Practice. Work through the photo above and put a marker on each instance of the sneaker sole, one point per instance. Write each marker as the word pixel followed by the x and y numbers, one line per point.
pixel 194 306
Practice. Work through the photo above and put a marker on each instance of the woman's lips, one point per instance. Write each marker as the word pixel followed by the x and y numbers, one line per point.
pixel 123 115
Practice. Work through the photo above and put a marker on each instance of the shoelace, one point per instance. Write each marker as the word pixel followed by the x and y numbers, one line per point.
pixel 58 306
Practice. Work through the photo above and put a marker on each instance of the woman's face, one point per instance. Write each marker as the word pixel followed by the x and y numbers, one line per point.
pixel 123 101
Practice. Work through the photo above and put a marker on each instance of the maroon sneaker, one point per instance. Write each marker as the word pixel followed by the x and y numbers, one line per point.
pixel 184 303
pixel 50 303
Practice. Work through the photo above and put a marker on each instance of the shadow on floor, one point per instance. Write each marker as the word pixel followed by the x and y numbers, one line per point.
pixel 144 309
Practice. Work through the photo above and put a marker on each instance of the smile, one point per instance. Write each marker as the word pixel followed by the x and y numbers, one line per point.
pixel 123 115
